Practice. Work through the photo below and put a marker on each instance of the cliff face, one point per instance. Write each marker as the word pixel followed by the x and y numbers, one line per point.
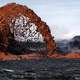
pixel 9 14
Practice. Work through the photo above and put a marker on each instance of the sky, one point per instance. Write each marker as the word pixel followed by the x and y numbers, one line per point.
pixel 62 16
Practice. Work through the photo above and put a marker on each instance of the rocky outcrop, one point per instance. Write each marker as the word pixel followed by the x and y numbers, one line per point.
pixel 9 56
pixel 10 12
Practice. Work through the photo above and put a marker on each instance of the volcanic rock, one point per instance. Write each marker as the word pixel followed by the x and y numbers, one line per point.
pixel 10 14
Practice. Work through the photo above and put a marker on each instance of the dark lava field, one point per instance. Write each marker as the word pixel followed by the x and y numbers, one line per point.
pixel 46 69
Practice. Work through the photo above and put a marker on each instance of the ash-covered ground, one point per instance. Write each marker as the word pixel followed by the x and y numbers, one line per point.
pixel 45 69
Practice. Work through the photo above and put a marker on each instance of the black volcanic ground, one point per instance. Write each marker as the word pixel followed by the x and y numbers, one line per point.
pixel 46 69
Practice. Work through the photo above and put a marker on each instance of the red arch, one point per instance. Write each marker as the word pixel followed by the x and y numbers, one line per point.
pixel 12 10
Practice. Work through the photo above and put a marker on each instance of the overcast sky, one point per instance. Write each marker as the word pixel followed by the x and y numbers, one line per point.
pixel 63 16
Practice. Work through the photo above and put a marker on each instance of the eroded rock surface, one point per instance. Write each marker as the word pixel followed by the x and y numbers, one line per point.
pixel 12 14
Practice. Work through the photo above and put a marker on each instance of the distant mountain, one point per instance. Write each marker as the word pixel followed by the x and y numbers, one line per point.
pixel 69 46
pixel 63 46
pixel 75 42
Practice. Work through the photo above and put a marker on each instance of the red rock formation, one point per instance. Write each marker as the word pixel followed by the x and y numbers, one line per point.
pixel 67 56
pixel 10 11
pixel 9 56
pixel 56 56
pixel 72 56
